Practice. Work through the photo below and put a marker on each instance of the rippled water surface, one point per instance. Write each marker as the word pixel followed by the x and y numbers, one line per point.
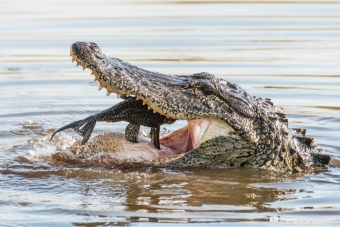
pixel 289 52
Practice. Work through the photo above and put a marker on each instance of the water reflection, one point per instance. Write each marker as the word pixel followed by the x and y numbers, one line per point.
pixel 162 195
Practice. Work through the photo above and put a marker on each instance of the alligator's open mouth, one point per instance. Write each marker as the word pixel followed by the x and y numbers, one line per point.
pixel 181 141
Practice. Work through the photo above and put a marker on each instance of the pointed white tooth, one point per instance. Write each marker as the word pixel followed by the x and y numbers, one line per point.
pixel 100 87
pixel 137 99
pixel 72 60
pixel 108 93
pixel 118 96
pixel 77 64
pixel 149 108
pixel 84 68
pixel 92 73
pixel 144 103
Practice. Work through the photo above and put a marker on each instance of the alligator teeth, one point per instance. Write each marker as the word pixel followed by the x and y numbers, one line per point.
pixel 118 96
pixel 100 87
pixel 108 93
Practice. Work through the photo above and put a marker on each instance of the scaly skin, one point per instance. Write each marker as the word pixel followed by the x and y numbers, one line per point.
pixel 130 110
pixel 258 135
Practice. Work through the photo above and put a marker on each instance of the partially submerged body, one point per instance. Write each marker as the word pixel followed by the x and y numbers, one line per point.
pixel 226 126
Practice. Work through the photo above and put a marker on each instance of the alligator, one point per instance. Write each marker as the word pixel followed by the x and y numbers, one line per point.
pixel 227 127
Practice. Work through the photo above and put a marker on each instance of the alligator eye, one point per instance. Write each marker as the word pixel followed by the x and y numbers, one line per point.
pixel 207 90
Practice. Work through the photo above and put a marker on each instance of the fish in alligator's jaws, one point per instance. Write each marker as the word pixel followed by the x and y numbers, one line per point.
pixel 226 128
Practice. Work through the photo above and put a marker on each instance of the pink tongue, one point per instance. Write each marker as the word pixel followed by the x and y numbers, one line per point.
pixel 178 141
pixel 187 138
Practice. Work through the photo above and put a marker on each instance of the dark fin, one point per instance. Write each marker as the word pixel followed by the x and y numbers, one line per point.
pixel 306 140
pixel 131 132
pixel 301 131
pixel 154 134
pixel 71 125
pixel 321 159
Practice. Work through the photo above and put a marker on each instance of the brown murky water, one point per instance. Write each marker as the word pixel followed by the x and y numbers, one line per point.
pixel 288 52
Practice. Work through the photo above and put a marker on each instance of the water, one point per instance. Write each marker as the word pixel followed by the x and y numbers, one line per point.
pixel 288 52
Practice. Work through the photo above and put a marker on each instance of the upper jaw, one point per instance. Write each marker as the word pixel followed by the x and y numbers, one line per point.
pixel 165 94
